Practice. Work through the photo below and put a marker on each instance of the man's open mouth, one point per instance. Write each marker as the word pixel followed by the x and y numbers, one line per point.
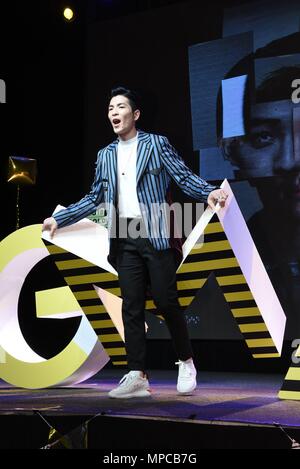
pixel 116 121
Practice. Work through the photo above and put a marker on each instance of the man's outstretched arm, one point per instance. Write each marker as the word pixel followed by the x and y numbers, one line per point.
pixel 81 209
pixel 189 182
pixel 50 224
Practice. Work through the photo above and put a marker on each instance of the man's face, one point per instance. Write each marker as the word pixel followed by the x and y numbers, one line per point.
pixel 121 116
pixel 271 148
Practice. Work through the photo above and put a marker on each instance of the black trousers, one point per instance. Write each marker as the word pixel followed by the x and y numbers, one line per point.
pixel 138 263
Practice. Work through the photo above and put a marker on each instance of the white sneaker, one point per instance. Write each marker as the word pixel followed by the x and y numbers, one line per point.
pixel 187 373
pixel 131 385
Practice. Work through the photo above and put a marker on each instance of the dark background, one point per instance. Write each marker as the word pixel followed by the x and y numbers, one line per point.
pixel 50 69
pixel 45 62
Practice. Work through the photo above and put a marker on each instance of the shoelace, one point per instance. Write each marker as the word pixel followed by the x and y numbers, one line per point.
pixel 184 368
pixel 122 381
pixel 125 378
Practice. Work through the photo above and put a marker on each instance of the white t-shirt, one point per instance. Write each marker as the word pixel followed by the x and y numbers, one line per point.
pixel 128 203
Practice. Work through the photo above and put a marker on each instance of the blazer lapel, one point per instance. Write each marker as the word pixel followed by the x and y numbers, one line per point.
pixel 142 157
pixel 143 153
pixel 111 158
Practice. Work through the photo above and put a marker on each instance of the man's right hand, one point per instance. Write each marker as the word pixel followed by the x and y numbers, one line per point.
pixel 50 224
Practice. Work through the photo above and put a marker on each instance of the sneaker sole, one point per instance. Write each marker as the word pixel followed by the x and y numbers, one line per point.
pixel 186 393
pixel 130 395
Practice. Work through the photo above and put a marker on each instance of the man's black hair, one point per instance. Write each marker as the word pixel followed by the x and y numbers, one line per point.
pixel 132 96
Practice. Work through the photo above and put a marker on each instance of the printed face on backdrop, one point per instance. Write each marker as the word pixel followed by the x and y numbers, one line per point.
pixel 271 148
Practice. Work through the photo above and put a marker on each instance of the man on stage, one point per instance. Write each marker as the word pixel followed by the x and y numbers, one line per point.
pixel 132 176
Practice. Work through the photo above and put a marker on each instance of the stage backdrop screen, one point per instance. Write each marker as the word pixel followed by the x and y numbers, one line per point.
pixel 223 90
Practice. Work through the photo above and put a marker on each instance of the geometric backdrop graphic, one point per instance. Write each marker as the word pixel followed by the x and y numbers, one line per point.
pixel 291 385
pixel 20 364
pixel 80 254
pixel 216 257
pixel 81 276
pixel 228 252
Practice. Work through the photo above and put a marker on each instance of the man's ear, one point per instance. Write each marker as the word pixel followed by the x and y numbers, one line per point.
pixel 136 114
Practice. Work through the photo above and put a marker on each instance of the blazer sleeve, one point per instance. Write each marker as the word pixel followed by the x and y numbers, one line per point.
pixel 191 184
pixel 85 206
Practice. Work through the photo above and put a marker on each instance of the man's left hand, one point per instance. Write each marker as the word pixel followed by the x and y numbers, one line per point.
pixel 215 197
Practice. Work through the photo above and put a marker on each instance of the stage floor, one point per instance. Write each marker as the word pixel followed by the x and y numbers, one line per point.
pixel 226 400
pixel 225 397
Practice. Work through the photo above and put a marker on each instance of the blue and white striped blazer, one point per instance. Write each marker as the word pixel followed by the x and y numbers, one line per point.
pixel 157 162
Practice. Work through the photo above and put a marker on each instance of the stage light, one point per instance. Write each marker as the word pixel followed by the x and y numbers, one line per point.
pixel 21 171
pixel 68 14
